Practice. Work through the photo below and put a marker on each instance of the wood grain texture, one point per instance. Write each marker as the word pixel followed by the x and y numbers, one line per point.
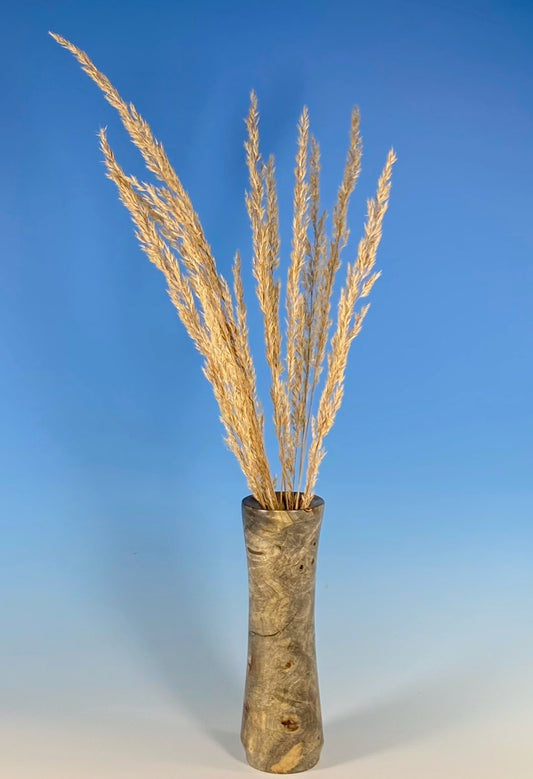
pixel 282 723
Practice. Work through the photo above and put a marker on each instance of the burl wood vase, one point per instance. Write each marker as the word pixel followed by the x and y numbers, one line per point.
pixel 282 723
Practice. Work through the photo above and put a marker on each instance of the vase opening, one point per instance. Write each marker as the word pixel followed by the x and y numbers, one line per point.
pixel 252 502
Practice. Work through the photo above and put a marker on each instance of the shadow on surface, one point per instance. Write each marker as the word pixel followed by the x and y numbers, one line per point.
pixel 420 709
pixel 231 743
pixel 167 600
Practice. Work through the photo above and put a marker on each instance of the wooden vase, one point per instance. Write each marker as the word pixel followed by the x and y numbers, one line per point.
pixel 282 723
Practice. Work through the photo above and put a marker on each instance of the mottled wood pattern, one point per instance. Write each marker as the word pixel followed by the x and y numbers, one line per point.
pixel 282 723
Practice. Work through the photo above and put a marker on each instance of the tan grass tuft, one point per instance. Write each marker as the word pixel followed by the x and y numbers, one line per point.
pixel 171 235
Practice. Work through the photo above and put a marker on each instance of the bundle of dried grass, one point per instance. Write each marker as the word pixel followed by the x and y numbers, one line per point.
pixel 170 233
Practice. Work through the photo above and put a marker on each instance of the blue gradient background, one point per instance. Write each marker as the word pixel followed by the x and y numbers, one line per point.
pixel 123 593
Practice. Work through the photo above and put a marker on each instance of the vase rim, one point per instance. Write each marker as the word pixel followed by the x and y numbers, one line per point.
pixel 250 502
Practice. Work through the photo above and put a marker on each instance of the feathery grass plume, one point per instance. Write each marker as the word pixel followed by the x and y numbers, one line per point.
pixel 215 316
pixel 295 299
pixel 323 266
pixel 221 372
pixel 359 282
pixel 317 248
pixel 330 261
pixel 166 212
pixel 262 206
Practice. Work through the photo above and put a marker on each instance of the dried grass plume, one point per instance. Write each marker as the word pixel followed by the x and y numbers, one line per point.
pixel 214 314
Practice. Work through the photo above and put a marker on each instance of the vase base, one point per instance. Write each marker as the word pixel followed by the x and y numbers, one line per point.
pixel 294 761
